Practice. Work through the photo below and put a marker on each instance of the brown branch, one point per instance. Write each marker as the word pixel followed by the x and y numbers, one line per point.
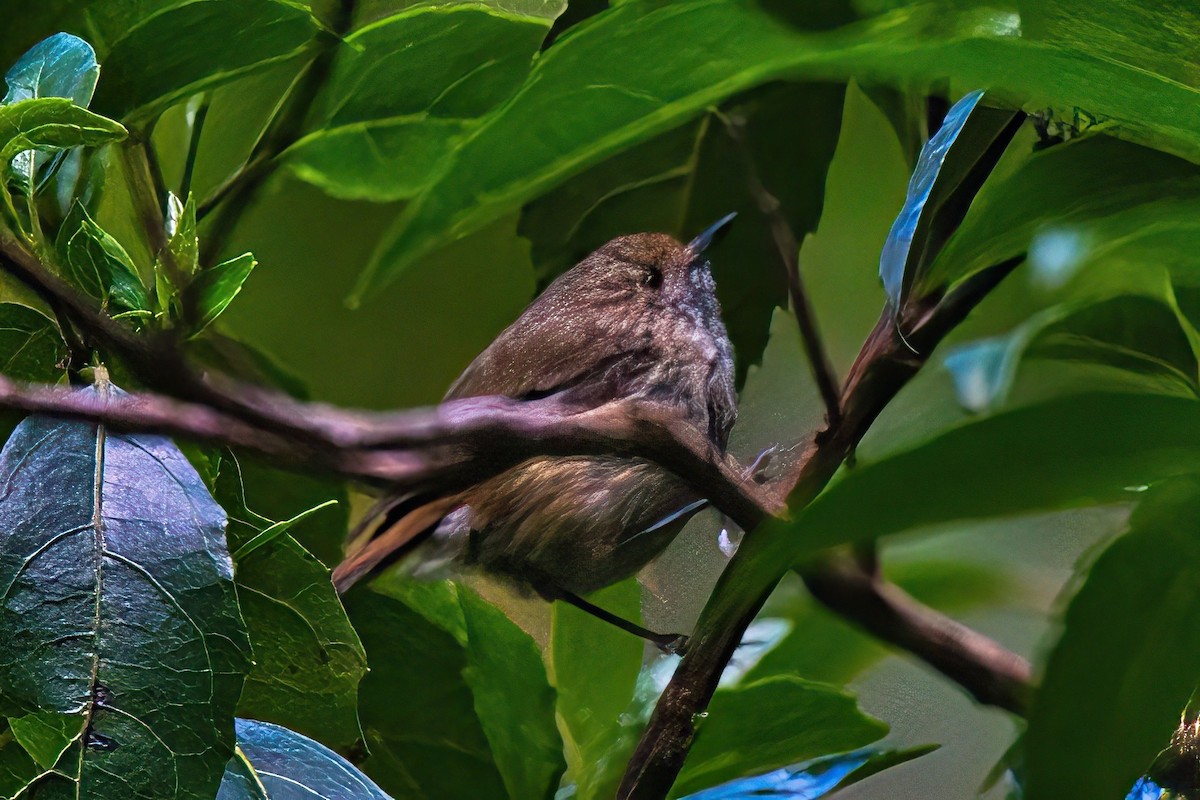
pixel 789 253
pixel 464 441
pixel 886 362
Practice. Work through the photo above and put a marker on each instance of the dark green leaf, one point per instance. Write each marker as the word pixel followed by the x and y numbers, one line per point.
pixel 605 79
pixel 683 180
pixel 308 659
pixel 288 765
pixel 770 724
pixel 121 613
pixel 403 92
pixel 17 768
pixel 31 344
pixel 51 123
pixel 98 264
pixel 1066 452
pixel 213 289
pixel 507 678
pixel 595 668
pixel 1126 662
pixel 418 714
pixel 194 46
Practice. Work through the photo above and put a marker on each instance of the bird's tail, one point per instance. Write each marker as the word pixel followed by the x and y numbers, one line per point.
pixel 399 530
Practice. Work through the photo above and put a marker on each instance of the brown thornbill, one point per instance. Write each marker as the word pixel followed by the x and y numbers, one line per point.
pixel 638 318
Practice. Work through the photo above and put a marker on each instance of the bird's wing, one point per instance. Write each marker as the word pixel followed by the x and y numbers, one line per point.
pixel 543 353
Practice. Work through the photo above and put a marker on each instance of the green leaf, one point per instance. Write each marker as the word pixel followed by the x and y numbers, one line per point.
pixel 418 714
pixel 403 91
pixel 1084 450
pixel 513 699
pixel 770 724
pixel 59 66
pixel 1099 199
pixel 45 735
pixel 181 227
pixel 190 47
pixel 31 344
pixel 1143 338
pixel 308 658
pixel 213 289
pixel 595 668
pixel 121 613
pixel 282 764
pixel 605 79
pixel 51 123
pixel 17 769
pixel 98 264
pixel 1125 665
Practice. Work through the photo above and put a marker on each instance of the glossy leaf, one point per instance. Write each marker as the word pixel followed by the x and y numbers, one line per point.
pixel 608 86
pixel 1088 449
pixel 59 66
pixel 51 123
pixel 950 169
pixel 190 47
pixel 286 765
pixel 1116 680
pixel 213 289
pixel 770 724
pixel 820 777
pixel 403 93
pixel 98 264
pixel 121 614
pixel 595 668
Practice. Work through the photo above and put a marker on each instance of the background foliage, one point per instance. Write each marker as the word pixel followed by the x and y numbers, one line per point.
pixel 435 163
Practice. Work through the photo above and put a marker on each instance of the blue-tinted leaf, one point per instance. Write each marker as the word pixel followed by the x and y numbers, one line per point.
pixel 769 724
pixel 291 767
pixel 120 613
pixel 59 66
pixel 950 170
pixel 213 289
pixel 813 779
pixel 98 264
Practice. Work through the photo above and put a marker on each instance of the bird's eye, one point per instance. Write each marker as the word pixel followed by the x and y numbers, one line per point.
pixel 652 277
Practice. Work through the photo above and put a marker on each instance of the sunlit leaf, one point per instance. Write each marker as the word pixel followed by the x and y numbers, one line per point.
pixel 51 123
pixel 98 264
pixel 277 763
pixel 213 289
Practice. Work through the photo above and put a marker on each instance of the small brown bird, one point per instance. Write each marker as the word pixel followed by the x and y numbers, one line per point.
pixel 638 318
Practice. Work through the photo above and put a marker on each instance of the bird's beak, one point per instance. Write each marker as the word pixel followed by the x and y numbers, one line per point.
pixel 706 236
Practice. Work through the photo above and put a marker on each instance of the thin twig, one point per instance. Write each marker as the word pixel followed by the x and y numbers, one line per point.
pixel 789 253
